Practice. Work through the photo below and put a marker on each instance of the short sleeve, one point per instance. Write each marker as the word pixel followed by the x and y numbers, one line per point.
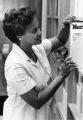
pixel 20 79
pixel 47 45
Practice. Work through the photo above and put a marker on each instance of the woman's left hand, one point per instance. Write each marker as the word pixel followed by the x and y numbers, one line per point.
pixel 69 19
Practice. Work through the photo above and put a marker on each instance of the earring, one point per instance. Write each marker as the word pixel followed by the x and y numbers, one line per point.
pixel 20 39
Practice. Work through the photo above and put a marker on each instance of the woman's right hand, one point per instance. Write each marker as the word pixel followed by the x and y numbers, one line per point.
pixel 67 67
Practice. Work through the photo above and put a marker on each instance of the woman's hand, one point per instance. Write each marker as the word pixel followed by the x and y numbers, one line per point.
pixel 63 35
pixel 68 20
pixel 67 67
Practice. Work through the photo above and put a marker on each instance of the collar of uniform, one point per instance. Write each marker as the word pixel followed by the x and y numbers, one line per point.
pixel 20 52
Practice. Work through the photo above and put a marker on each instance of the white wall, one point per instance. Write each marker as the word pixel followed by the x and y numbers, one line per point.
pixel 76 8
pixel 1 7
pixel 79 8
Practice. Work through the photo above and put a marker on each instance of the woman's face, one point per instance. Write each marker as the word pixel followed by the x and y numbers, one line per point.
pixel 32 35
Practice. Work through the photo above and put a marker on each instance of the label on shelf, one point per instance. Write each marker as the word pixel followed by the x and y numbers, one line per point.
pixel 76 44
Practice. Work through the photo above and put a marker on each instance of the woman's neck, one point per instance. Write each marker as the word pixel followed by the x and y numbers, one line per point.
pixel 28 50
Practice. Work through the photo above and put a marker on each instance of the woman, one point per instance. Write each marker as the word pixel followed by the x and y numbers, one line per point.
pixel 30 85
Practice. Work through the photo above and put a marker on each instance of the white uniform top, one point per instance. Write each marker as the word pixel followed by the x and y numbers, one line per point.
pixel 22 74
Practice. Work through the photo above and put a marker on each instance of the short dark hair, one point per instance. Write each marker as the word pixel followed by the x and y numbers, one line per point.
pixel 16 21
